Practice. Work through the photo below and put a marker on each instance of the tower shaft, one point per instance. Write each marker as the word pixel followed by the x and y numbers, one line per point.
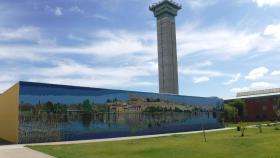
pixel 165 12
pixel 167 55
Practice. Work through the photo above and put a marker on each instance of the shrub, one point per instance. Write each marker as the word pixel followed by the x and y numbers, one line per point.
pixel 242 128
pixel 238 128
pixel 240 106
pixel 260 127
pixel 230 113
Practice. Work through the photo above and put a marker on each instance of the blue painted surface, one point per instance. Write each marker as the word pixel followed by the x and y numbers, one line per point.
pixel 40 121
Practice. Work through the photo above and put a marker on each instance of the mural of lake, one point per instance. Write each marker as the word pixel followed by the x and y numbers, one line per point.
pixel 58 113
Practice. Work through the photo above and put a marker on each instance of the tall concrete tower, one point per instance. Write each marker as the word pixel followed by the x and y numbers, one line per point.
pixel 165 12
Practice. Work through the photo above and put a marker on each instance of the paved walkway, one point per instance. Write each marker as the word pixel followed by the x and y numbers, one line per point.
pixel 19 151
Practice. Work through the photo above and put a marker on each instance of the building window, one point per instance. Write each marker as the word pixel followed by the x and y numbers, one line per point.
pixel 264 108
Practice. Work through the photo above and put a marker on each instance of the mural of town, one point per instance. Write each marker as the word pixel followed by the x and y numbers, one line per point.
pixel 58 113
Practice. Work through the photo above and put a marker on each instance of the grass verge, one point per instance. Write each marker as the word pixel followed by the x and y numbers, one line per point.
pixel 219 145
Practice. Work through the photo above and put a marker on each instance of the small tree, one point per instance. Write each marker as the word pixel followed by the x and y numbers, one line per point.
pixel 242 129
pixel 230 113
pixel 240 105
pixel 204 133
pixel 260 127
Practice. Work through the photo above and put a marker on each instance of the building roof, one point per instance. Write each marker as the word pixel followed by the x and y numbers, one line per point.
pixel 253 96
pixel 258 92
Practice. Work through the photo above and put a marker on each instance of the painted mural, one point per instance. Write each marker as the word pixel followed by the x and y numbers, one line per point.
pixel 58 113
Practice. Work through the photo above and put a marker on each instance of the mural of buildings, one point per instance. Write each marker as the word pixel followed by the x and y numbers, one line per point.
pixel 47 113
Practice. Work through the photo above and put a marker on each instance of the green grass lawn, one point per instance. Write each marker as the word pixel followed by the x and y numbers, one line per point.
pixel 223 144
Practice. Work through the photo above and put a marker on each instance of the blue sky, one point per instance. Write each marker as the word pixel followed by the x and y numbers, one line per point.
pixel 223 46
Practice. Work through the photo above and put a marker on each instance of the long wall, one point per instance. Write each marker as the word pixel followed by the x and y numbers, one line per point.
pixel 9 114
pixel 62 113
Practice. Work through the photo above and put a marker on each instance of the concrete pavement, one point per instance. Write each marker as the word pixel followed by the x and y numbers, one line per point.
pixel 19 151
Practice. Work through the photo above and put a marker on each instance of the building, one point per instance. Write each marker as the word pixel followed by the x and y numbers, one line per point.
pixel 37 112
pixel 165 12
pixel 261 105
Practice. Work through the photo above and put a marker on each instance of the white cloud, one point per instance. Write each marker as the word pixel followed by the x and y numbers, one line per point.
pixel 225 43
pixel 6 81
pixel 4 78
pixel 233 80
pixel 26 33
pixel 200 79
pixel 275 73
pixel 139 47
pixel 73 73
pixel 216 42
pixel 20 54
pixel 199 72
pixel 257 73
pixel 5 86
pixel 107 44
pixel 74 37
pixel 254 86
pixel 202 75
pixel 111 44
pixel 76 9
pixel 262 85
pixel 262 3
pixel 219 42
pixel 57 11
pixel 273 30
pixel 101 17
pixel 202 64
pixel 69 68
